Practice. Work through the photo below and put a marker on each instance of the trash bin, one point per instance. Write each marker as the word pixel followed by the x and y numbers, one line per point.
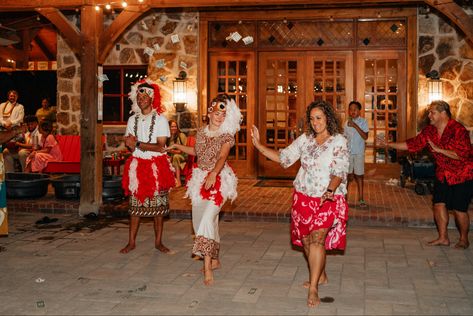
pixel 67 186
pixel 112 188
pixel 26 185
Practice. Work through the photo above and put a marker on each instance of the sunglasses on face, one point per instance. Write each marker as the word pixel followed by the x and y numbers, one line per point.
pixel 218 106
pixel 146 91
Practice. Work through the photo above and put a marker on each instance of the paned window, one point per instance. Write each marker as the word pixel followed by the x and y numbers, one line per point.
pixel 116 105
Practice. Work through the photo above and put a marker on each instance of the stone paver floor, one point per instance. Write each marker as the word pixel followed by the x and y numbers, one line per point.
pixel 73 266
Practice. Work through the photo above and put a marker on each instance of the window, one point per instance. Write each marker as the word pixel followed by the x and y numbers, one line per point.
pixel 116 105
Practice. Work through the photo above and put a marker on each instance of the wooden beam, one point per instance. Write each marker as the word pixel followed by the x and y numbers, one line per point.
pixel 12 53
pixel 456 14
pixel 90 131
pixel 49 55
pixel 68 30
pixel 119 25
pixel 22 5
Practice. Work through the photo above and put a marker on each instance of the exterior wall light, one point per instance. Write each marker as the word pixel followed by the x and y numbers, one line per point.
pixel 179 92
pixel 435 86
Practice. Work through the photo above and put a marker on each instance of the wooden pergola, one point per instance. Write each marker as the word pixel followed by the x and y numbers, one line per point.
pixel 92 44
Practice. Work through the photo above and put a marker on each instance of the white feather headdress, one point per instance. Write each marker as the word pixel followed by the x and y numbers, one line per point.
pixel 233 118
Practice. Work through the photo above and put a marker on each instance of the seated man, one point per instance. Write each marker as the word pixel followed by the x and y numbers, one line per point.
pixel 22 146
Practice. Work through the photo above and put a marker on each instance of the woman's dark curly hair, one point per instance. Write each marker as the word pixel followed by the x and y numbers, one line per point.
pixel 333 123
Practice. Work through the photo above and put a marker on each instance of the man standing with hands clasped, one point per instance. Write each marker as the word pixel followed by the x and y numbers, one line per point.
pixel 148 174
pixel 356 132
pixel 449 143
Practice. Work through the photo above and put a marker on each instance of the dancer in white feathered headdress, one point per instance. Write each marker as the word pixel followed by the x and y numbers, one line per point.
pixel 212 181
pixel 148 175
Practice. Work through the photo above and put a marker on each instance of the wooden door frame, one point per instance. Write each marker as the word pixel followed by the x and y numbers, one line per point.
pixel 366 12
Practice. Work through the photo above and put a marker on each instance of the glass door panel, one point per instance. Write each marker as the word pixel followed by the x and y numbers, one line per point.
pixel 233 74
pixel 288 82
pixel 280 107
pixel 331 79
pixel 382 91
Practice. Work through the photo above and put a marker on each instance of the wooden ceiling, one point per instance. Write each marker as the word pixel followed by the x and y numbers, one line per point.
pixel 36 21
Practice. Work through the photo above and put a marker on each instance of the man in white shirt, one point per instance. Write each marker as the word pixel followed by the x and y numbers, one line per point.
pixel 148 175
pixel 11 112
pixel 22 147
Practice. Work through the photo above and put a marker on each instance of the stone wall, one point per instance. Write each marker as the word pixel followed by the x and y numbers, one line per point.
pixel 164 64
pixel 68 89
pixel 442 47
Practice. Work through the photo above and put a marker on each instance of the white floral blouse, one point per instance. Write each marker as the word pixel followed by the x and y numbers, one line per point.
pixel 318 163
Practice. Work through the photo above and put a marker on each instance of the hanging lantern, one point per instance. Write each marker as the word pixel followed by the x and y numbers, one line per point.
pixel 179 92
pixel 435 86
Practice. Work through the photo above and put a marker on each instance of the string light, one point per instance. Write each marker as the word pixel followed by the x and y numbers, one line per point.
pixel 109 6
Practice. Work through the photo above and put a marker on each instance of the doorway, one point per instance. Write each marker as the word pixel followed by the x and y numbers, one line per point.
pixel 288 82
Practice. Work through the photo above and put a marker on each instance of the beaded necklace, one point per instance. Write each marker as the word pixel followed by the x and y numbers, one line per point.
pixel 151 126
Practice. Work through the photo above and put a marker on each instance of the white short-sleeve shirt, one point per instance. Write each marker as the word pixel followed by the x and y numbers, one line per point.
pixel 318 163
pixel 144 130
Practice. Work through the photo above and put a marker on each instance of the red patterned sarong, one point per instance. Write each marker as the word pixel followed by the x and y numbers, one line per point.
pixel 308 215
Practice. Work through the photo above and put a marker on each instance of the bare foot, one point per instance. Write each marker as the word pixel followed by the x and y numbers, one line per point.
pixel 215 265
pixel 439 242
pixel 462 244
pixel 322 280
pixel 313 299
pixel 162 248
pixel 127 248
pixel 208 277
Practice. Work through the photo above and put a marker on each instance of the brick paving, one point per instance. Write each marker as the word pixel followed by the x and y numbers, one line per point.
pixel 388 205
pixel 73 267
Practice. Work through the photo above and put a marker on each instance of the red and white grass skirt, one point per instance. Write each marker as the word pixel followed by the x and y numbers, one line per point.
pixel 309 215
pixel 143 178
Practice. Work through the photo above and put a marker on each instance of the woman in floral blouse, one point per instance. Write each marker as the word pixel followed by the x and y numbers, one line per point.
pixel 212 181
pixel 319 210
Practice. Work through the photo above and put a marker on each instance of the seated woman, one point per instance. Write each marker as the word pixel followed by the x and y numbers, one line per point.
pixel 49 151
pixel 178 158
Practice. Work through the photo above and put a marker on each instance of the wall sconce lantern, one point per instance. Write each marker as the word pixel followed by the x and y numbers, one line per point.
pixel 179 92
pixel 435 86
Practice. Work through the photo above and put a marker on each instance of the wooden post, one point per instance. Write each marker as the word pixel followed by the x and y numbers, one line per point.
pixel 90 129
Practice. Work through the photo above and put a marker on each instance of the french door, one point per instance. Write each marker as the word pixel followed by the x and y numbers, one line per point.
pixel 382 92
pixel 234 74
pixel 288 82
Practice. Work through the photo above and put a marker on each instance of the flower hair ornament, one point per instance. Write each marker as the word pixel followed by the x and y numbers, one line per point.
pixel 233 117
pixel 150 88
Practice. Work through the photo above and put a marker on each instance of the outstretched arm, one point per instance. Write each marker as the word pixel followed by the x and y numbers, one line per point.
pixel 5 136
pixel 185 149
pixel 399 145
pixel 266 151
